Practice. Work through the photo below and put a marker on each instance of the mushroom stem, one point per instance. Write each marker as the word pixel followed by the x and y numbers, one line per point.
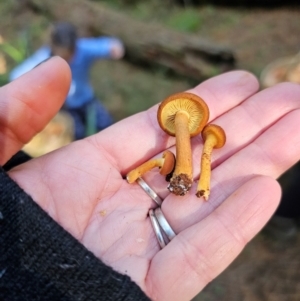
pixel 213 137
pixel 203 188
pixel 142 169
pixel 166 165
pixel 182 115
pixel 182 178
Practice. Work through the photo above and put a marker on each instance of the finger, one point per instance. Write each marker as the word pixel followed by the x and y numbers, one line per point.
pixel 200 253
pixel 139 137
pixel 270 154
pixel 244 123
pixel 29 103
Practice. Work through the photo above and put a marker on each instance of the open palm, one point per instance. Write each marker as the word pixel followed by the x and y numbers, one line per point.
pixel 82 185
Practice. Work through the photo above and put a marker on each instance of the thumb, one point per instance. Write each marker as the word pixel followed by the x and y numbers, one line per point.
pixel 29 103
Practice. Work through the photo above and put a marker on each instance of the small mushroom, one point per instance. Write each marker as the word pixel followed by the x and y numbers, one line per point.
pixel 182 115
pixel 166 165
pixel 213 137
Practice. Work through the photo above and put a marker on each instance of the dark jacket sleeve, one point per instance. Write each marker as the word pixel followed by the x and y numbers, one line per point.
pixel 39 260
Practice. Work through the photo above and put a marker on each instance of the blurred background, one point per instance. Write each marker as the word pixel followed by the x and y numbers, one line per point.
pixel 170 46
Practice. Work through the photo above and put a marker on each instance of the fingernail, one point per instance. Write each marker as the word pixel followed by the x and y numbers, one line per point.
pixel 44 61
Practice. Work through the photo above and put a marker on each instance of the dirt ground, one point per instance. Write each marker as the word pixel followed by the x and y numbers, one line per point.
pixel 269 267
pixel 267 270
pixel 257 38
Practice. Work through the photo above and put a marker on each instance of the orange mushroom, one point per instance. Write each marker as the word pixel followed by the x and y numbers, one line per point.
pixel 166 165
pixel 213 137
pixel 182 115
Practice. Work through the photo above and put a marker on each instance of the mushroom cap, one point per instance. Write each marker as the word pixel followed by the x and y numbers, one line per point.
pixel 217 131
pixel 195 107
pixel 169 163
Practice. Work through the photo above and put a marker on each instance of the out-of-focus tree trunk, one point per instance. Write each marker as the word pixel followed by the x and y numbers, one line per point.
pixel 150 44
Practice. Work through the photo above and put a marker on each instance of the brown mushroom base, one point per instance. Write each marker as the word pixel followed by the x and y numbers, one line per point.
pixel 204 193
pixel 180 184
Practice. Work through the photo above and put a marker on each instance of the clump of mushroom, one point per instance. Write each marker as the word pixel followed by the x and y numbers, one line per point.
pixel 182 115
pixel 213 137
pixel 166 165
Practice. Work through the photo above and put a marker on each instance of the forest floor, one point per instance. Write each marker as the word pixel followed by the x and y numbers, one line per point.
pixel 269 267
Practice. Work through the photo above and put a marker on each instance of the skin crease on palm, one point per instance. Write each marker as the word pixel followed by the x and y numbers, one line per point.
pixel 82 185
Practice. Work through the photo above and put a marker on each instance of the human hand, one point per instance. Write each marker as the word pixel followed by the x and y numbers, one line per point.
pixel 82 185
pixel 117 50
pixel 28 104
